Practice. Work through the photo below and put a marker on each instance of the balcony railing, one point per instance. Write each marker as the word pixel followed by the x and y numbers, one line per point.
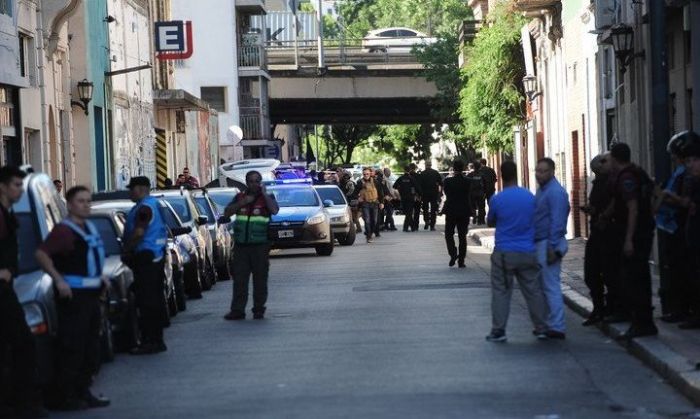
pixel 252 56
pixel 254 125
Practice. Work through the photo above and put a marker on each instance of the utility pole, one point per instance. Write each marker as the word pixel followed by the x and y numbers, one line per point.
pixel 319 19
pixel 659 89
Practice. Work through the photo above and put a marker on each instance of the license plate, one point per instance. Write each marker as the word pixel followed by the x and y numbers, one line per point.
pixel 284 234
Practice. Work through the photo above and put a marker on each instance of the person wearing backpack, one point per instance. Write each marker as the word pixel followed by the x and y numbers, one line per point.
pixel 631 212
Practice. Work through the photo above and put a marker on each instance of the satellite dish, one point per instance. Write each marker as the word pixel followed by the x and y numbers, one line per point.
pixel 234 134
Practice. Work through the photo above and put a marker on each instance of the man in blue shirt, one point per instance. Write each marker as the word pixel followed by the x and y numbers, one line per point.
pixel 551 215
pixel 512 213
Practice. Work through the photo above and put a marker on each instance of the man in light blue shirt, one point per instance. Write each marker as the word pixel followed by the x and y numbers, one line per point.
pixel 512 213
pixel 551 216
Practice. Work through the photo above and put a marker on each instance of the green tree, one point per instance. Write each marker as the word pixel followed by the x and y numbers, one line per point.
pixel 491 101
pixel 342 140
pixel 408 143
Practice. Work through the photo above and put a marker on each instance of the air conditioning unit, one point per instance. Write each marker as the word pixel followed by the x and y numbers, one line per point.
pixel 606 13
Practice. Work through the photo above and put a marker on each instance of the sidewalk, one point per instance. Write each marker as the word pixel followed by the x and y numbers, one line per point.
pixel 674 354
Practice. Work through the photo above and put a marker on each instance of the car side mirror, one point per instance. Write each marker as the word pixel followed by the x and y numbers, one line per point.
pixel 327 203
pixel 202 219
pixel 179 231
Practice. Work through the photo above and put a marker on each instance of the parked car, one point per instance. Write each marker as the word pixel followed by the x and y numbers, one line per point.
pixel 37 212
pixel 233 173
pixel 221 197
pixel 302 220
pixel 219 232
pixel 181 248
pixel 120 318
pixel 339 213
pixel 401 40
pixel 187 211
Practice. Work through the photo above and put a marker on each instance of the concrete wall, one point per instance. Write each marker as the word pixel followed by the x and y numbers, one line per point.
pixel 214 62
pixel 351 87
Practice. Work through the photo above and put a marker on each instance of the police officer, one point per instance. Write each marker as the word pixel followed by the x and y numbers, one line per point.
pixel 415 217
pixel 408 189
pixel 14 332
pixel 602 252
pixel 692 202
pixel 457 213
pixel 145 238
pixel 631 211
pixel 73 255
pixel 478 197
pixel 670 222
pixel 431 184
pixel 251 253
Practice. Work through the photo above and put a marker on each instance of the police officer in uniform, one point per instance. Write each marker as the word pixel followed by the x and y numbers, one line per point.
pixel 251 253
pixel 14 332
pixel 631 210
pixel 456 211
pixel 408 189
pixel 73 255
pixel 431 184
pixel 145 239
pixel 415 218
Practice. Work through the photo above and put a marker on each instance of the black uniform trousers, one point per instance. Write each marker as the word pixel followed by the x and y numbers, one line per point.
pixel 430 209
pixel 250 259
pixel 17 351
pixel 461 223
pixel 636 280
pixel 149 287
pixel 389 216
pixel 479 208
pixel 676 289
pixel 79 321
pixel 415 221
pixel 600 268
pixel 407 207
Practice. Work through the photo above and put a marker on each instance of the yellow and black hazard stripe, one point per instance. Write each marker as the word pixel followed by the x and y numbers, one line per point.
pixel 161 159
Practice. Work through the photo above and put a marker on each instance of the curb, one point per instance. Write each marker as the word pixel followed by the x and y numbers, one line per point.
pixel 678 371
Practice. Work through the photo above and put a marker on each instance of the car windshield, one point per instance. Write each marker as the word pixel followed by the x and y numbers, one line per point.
pixel 295 197
pixel 169 217
pixel 333 194
pixel 179 204
pixel 109 235
pixel 28 241
pixel 205 209
pixel 221 200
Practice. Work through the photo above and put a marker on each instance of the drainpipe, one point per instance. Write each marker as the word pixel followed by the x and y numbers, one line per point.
pixel 41 82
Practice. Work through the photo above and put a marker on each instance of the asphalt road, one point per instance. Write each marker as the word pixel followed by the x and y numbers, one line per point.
pixel 384 330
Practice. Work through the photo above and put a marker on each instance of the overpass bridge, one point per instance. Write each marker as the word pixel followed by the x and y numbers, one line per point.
pixel 352 85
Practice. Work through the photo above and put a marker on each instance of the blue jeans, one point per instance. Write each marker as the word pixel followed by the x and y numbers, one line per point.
pixel 550 278
pixel 370 215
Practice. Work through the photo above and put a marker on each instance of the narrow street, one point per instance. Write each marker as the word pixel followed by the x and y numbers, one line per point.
pixel 380 330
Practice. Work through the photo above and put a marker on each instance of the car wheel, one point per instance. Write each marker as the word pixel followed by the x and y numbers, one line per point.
pixel 349 238
pixel 193 279
pixel 166 309
pixel 129 335
pixel 180 296
pixel 209 275
pixel 325 249
pixel 106 338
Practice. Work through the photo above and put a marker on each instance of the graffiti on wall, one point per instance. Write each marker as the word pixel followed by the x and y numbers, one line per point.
pixel 134 143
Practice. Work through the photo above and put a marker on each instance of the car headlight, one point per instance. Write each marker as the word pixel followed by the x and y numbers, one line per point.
pixel 340 219
pixel 316 219
pixel 34 317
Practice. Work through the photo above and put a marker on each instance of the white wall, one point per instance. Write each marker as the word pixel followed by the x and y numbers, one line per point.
pixel 134 137
pixel 214 62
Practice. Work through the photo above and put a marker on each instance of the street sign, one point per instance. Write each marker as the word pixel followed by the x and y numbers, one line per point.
pixel 174 40
pixel 271 152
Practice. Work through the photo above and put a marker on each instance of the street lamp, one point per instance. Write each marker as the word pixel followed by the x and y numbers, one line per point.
pixel 622 37
pixel 84 94
pixel 530 86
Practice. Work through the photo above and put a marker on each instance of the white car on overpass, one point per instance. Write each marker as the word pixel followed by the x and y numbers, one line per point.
pixel 395 40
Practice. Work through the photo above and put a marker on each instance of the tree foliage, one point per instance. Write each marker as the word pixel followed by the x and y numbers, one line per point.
pixel 491 99
pixel 342 140
pixel 407 143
